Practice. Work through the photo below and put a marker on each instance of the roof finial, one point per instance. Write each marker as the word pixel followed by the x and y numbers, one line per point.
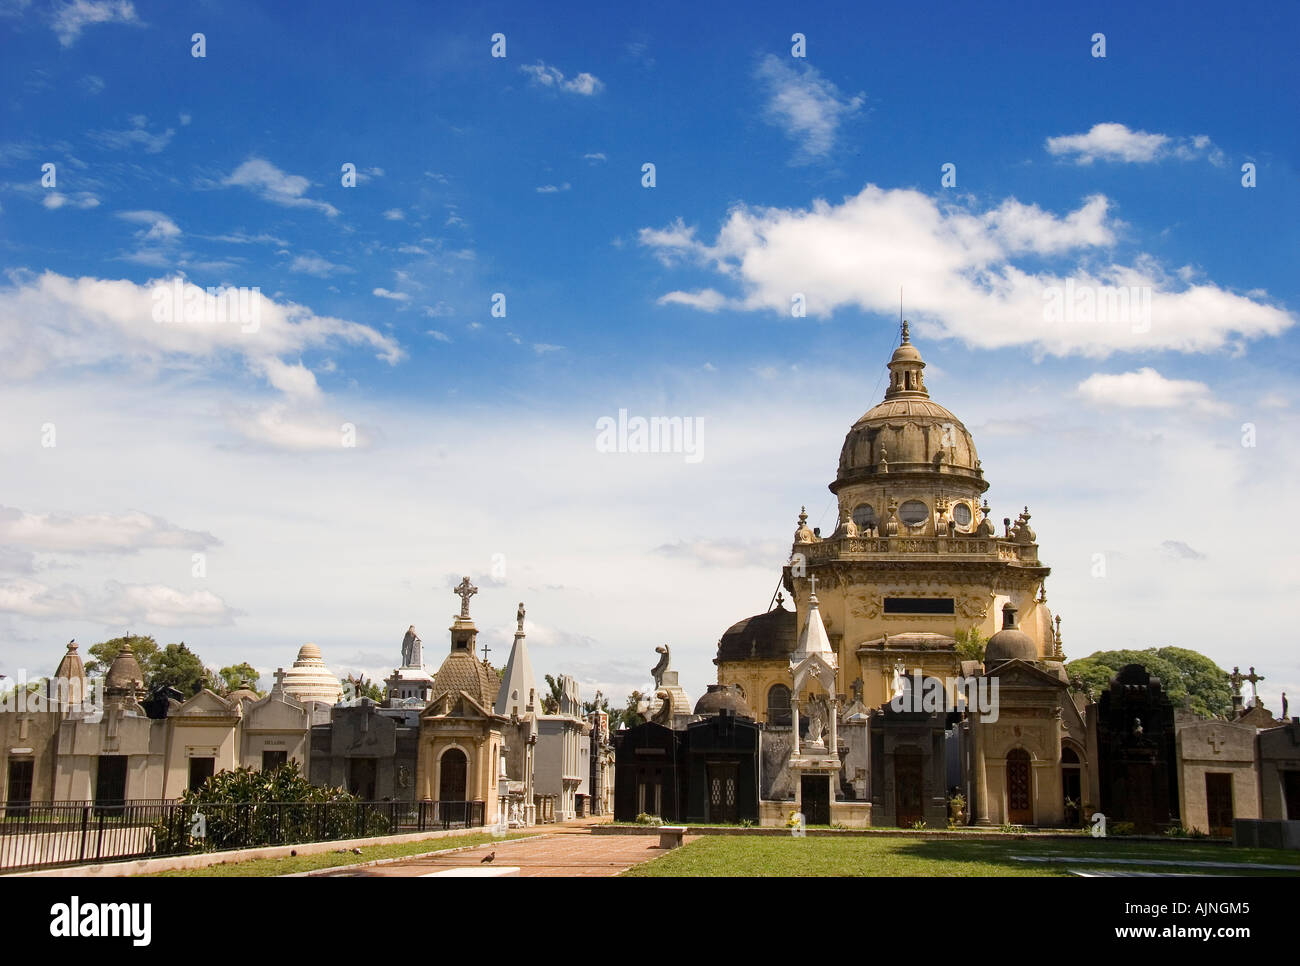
pixel 906 335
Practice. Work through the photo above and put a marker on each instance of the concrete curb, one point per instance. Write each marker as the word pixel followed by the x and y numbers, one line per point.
pixel 202 860
pixel 982 835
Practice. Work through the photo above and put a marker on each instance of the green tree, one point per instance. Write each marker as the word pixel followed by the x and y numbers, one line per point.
pixel 176 666
pixel 145 649
pixel 237 676
pixel 1184 674
pixel 970 644
pixel 628 714
pixel 551 702
pixel 361 686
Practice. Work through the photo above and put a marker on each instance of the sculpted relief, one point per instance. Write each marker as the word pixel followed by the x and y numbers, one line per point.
pixel 866 606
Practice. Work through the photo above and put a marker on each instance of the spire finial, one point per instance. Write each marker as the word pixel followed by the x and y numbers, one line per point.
pixel 907 338
pixel 465 590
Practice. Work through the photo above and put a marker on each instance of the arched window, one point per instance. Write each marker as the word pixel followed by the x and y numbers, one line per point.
pixel 778 705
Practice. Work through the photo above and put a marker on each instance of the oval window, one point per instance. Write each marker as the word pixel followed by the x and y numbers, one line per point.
pixel 864 516
pixel 913 512
pixel 961 515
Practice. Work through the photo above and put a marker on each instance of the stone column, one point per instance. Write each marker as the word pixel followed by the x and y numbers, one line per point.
pixel 979 807
pixel 833 705
pixel 794 720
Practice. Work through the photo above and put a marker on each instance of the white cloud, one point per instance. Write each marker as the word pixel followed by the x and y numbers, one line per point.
pixel 159 228
pixel 137 135
pixel 96 532
pixel 54 200
pixel 315 265
pixel 1147 389
pixel 52 322
pixel 546 76
pixel 957 265
pixel 706 300
pixel 121 605
pixel 595 157
pixel 542 348
pixel 1116 142
pixel 550 189
pixel 271 184
pixel 440 336
pixel 805 105
pixel 72 17
pixel 394 214
pixel 384 293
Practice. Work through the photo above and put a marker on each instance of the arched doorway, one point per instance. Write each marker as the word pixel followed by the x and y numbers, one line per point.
pixel 1071 786
pixel 1020 805
pixel 453 771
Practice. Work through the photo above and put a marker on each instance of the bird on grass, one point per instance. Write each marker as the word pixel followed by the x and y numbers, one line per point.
pixel 487 858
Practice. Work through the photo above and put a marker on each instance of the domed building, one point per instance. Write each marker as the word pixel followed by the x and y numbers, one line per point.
pixel 310 680
pixel 914 565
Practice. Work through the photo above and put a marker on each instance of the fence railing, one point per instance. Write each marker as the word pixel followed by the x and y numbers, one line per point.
pixel 41 835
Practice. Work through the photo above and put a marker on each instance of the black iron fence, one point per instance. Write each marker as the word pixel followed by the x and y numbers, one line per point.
pixel 42 835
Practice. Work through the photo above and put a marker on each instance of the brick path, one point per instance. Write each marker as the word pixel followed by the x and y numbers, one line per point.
pixel 566 852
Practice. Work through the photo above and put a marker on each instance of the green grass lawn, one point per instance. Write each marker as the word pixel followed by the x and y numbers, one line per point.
pixel 754 855
pixel 332 859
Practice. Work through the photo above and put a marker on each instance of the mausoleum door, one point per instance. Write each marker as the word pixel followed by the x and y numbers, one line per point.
pixel 814 797
pixel 454 771
pixel 909 787
pixel 1020 804
pixel 1218 803
pixel 724 777
pixel 1291 792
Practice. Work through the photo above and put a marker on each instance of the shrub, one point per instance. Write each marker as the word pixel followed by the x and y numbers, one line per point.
pixel 248 807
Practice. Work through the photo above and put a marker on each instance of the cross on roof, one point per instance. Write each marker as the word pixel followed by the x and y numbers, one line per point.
pixel 1216 741
pixel 465 590
pixel 812 581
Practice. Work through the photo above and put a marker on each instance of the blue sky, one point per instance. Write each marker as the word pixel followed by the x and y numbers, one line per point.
pixel 522 175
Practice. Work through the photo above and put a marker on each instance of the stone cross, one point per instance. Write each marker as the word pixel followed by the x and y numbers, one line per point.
pixel 812 582
pixel 1254 680
pixel 279 680
pixel 465 590
pixel 1216 741
pixel 1236 677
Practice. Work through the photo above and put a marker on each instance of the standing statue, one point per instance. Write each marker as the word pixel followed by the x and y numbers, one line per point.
pixel 815 722
pixel 519 617
pixel 409 643
pixel 657 672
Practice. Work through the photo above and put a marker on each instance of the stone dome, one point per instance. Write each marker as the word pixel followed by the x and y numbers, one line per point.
pixel 124 674
pixel 769 637
pixel 908 433
pixel 1010 643
pixel 310 680
pixel 723 698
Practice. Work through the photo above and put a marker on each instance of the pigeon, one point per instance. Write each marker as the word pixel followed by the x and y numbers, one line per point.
pixel 487 858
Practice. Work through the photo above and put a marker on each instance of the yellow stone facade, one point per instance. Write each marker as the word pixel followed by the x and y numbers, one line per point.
pixel 916 557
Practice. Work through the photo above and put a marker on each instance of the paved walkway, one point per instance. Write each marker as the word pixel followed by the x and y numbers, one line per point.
pixel 567 851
